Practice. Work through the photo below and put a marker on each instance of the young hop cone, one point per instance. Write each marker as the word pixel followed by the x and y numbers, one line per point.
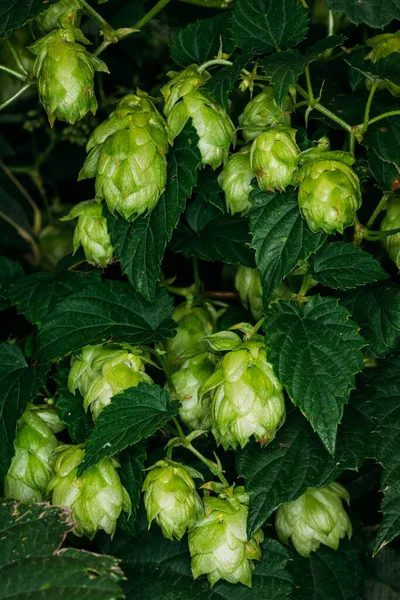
pixel 170 497
pixel 248 284
pixel 91 232
pixel 274 158
pixel 96 498
pixel 184 100
pixel 32 464
pixel 235 180
pixel 218 542
pixel 329 194
pixel 127 157
pixel 187 381
pixel 263 112
pixel 391 220
pixel 316 518
pixel 65 74
pixel 53 17
pixel 193 324
pixel 246 397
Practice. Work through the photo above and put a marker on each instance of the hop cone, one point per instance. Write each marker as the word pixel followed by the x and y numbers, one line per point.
pixel 391 220
pixel 219 545
pixel 235 180
pixel 53 17
pixel 91 232
pixel 383 45
pixel 248 284
pixel 246 397
pixel 32 465
pixel 193 324
pixel 329 195
pixel 274 158
pixel 184 100
pixel 65 73
pixel 83 369
pixel 316 518
pixel 170 498
pixel 127 157
pixel 187 381
pixel 262 112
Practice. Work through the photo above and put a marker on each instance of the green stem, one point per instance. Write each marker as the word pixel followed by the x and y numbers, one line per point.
pixel 209 463
pixel 325 111
pixel 94 15
pixel 391 113
pixel 13 72
pixel 352 142
pixel 375 236
pixel 37 217
pixel 21 91
pixel 25 236
pixel 380 207
pixel 331 24
pixel 368 107
pixel 178 428
pixel 165 366
pixel 209 3
pixel 215 61
pixel 16 57
pixel 311 99
pixel 152 13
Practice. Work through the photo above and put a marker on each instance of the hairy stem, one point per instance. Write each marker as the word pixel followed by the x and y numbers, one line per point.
pixel 13 72
pixel 215 470
pixel 37 217
pixel 96 17
pixel 325 111
pixel 10 100
pixel 152 13
pixel 25 235
pixel 368 107
pixel 391 113
pixel 380 207
pixel 215 61
pixel 311 99
pixel 16 57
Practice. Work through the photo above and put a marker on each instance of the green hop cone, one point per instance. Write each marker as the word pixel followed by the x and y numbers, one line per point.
pixel 83 371
pixel 184 100
pixel 382 45
pixel 32 464
pixel 96 498
pixel 248 284
pixel 91 232
pixel 193 324
pixel 219 545
pixel 187 381
pixel 53 17
pixel 65 74
pixel 262 112
pixel 316 518
pixel 127 157
pixel 246 397
pixel 329 195
pixel 274 158
pixel 391 220
pixel 235 180
pixel 170 498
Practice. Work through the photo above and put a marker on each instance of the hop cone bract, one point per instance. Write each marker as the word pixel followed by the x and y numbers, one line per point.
pixel 53 17
pixel 248 284
pixel 96 498
pixel 170 498
pixel 127 157
pixel 391 220
pixel 262 112
pixel 329 195
pixel 274 158
pixel 235 180
pixel 316 518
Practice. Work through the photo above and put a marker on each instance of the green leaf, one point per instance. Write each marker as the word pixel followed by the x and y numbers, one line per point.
pixel 212 236
pixel 386 174
pixel 200 41
pixel 132 416
pixel 265 25
pixel 384 137
pixel 382 581
pixel 222 83
pixel 281 237
pixel 343 266
pixel 131 473
pixel 376 309
pixel 374 13
pixel 110 310
pixel 295 460
pixel 33 566
pixel 208 189
pixel 316 351
pixel 72 413
pixel 385 69
pixel 330 574
pixel 171 578
pixel 36 295
pixel 140 245
pixel 19 384
pixel 10 271
pixel 15 14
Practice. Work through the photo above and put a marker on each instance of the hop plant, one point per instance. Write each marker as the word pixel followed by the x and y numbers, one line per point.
pixel 391 220
pixel 194 323
pixel 383 45
pixel 65 74
pixel 32 464
pixel 262 112
pixel 218 542
pixel 91 232
pixel 274 158
pixel 96 498
pixel 248 284
pixel 329 194
pixel 184 100
pixel 55 242
pixel 127 157
pixel 246 397
pixel 54 16
pixel 170 498
pixel 187 381
pixel 316 518
pixel 235 180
